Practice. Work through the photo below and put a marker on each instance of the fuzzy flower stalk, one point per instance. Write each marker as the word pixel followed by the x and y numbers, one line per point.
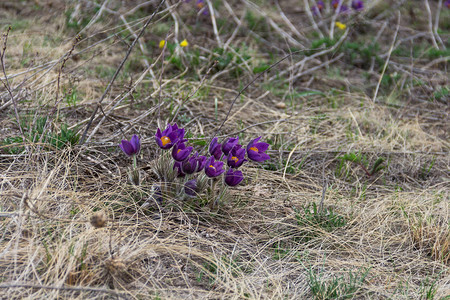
pixel 132 148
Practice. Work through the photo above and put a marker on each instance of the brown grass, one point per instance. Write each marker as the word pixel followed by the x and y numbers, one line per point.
pixel 74 227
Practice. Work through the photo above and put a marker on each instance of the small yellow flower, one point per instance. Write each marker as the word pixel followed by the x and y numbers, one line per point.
pixel 161 44
pixel 184 43
pixel 340 25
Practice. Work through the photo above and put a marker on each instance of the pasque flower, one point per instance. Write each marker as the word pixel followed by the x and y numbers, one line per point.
pixel 189 166
pixel 335 4
pixel 213 168
pixel 169 137
pixel 320 5
pixel 131 147
pixel 228 145
pixel 190 187
pixel 201 162
pixel 200 4
pixel 256 151
pixel 215 148
pixel 180 152
pixel 357 4
pixel 233 178
pixel 236 157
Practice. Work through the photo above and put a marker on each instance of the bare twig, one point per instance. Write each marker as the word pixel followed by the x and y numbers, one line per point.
pixel 213 21
pixel 430 24
pixel 387 59
pixel 6 83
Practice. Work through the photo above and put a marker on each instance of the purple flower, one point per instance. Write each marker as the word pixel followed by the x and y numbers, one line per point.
pixel 316 9
pixel 233 178
pixel 201 162
pixel 177 165
pixel 169 137
pixel 213 168
pixel 215 148
pixel 200 4
pixel 190 187
pixel 236 157
pixel 227 146
pixel 131 147
pixel 335 4
pixel 447 3
pixel 256 151
pixel 189 166
pixel 180 152
pixel 357 4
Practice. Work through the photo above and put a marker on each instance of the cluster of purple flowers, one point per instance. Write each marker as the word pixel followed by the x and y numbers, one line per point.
pixel 337 5
pixel 187 162
pixel 201 6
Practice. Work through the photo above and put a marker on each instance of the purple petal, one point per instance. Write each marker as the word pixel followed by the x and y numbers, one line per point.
pixel 126 147
pixel 136 143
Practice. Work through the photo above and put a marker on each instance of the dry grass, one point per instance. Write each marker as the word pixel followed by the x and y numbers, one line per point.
pixel 73 227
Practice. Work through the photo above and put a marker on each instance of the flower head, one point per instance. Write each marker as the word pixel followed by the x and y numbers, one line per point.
pixel 233 178
pixel 335 3
pixel 201 162
pixel 256 151
pixel 161 44
pixel 236 157
pixel 184 43
pixel 228 145
pixel 189 166
pixel 213 168
pixel 200 4
pixel 447 3
pixel 318 8
pixel 340 25
pixel 357 4
pixel 215 148
pixel 131 147
pixel 169 137
pixel 342 8
pixel 190 187
pixel 180 152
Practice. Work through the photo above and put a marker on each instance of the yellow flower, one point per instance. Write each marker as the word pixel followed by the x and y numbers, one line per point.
pixel 340 25
pixel 161 44
pixel 184 43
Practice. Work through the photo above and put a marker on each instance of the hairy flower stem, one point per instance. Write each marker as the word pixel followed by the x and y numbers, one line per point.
pixel 213 187
pixel 134 172
pixel 134 162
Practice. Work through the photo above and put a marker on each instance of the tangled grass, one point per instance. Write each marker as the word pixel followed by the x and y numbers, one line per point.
pixel 307 224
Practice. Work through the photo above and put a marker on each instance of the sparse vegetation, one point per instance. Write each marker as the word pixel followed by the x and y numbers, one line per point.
pixel 352 99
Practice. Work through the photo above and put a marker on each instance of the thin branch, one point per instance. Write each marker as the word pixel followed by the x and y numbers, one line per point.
pixel 387 59
pixel 83 138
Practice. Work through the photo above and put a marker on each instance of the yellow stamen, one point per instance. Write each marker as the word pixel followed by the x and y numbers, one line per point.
pixel 211 166
pixel 161 44
pixel 178 150
pixel 235 159
pixel 165 140
pixel 200 5
pixel 254 149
